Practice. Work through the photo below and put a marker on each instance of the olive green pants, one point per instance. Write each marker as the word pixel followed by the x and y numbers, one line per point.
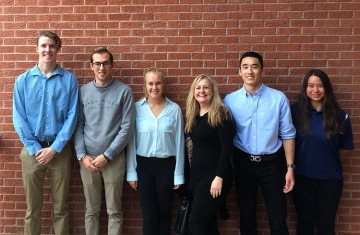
pixel 33 175
pixel 109 178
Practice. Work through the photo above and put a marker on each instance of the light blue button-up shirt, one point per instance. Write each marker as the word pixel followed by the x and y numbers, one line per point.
pixel 161 137
pixel 262 120
pixel 45 109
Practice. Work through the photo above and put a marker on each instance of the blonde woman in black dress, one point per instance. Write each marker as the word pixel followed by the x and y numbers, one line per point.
pixel 211 129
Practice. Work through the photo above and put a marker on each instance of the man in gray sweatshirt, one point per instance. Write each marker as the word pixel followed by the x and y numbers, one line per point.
pixel 105 125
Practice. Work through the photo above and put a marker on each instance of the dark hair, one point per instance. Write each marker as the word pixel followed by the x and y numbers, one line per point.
pixel 51 35
pixel 252 54
pixel 333 123
pixel 101 50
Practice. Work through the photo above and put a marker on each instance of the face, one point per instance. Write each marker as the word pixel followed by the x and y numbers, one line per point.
pixel 47 50
pixel 203 92
pixel 315 89
pixel 154 85
pixel 251 71
pixel 102 68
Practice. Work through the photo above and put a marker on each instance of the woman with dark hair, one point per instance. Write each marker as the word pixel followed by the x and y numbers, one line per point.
pixel 211 129
pixel 322 130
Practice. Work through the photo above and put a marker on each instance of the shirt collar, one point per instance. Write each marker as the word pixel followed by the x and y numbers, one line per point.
pixel 107 85
pixel 259 91
pixel 36 71
pixel 143 101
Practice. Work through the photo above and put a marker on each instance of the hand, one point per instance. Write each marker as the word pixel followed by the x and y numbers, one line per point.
pixel 216 186
pixel 289 181
pixel 45 155
pixel 99 161
pixel 87 163
pixel 177 186
pixel 133 184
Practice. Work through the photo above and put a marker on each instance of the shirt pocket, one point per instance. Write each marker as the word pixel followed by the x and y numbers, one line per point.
pixel 143 125
pixel 167 125
pixel 268 120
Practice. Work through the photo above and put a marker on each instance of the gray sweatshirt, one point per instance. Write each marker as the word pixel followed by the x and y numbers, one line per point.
pixel 106 119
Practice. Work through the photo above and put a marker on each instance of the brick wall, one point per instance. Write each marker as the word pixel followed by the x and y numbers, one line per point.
pixel 185 38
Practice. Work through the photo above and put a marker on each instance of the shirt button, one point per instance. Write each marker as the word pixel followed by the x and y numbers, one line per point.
pixel 254 137
pixel 254 125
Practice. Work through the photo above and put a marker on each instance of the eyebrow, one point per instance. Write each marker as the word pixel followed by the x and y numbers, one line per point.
pixel 249 64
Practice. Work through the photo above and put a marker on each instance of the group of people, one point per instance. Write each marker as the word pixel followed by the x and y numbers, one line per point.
pixel 234 140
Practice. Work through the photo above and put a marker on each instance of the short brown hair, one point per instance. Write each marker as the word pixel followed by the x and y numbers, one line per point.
pixel 101 50
pixel 51 35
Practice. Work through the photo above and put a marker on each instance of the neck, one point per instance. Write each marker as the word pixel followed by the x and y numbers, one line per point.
pixel 316 105
pixel 102 83
pixel 252 89
pixel 203 109
pixel 47 68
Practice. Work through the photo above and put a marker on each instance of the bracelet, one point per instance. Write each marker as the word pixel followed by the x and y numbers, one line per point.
pixel 106 157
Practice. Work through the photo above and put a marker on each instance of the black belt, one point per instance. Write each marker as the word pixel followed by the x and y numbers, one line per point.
pixel 258 158
pixel 46 144
pixel 261 158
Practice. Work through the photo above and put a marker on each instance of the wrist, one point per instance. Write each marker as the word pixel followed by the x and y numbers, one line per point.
pixel 290 166
pixel 82 158
pixel 106 157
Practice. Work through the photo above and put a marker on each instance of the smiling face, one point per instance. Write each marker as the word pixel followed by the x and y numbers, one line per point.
pixel 315 89
pixel 203 92
pixel 154 85
pixel 251 71
pixel 47 50
pixel 102 68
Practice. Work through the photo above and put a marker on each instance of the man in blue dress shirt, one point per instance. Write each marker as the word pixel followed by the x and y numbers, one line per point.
pixel 263 124
pixel 44 116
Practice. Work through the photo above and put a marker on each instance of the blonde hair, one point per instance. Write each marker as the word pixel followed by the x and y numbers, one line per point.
pixel 217 110
pixel 163 79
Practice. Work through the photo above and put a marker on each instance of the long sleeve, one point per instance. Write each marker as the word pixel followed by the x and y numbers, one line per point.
pixel 180 150
pixel 127 125
pixel 20 120
pixel 79 140
pixel 226 133
pixel 131 164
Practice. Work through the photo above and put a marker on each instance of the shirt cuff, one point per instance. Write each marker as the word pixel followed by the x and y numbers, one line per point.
pixel 131 177
pixel 179 179
pixel 80 155
pixel 108 155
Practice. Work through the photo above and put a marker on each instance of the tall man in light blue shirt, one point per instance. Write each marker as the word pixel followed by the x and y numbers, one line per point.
pixel 44 116
pixel 263 124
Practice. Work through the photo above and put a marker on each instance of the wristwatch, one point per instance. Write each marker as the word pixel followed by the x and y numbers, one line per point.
pixel 290 166
pixel 82 158
pixel 106 157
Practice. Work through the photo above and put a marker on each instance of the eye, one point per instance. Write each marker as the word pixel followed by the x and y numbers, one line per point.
pixel 106 63
pixel 97 64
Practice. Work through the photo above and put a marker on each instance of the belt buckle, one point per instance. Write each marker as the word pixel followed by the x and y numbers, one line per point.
pixel 254 158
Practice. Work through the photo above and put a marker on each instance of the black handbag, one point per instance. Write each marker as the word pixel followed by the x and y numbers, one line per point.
pixel 181 224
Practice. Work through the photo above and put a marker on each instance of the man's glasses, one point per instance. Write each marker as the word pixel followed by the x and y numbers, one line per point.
pixel 106 64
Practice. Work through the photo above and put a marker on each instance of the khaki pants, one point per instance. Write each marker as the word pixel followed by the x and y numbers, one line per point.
pixel 110 177
pixel 33 175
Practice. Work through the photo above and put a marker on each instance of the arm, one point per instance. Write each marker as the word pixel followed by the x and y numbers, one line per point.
pixel 287 133
pixel 289 148
pixel 127 125
pixel 69 125
pixel 80 142
pixel 20 121
pixel 131 163
pixel 226 134
pixel 180 150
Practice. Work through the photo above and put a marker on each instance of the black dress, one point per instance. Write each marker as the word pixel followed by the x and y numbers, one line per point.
pixel 212 151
